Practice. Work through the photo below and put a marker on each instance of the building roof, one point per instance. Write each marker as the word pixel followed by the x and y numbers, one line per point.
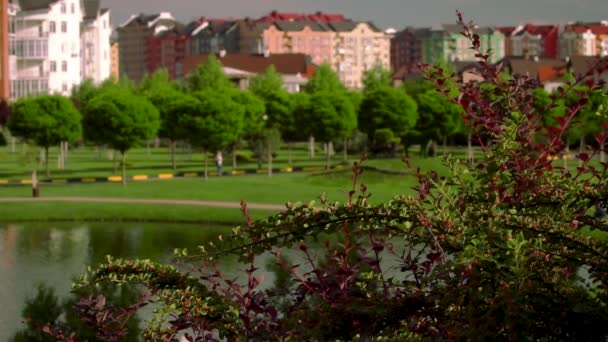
pixel 506 30
pixel 32 5
pixel 457 28
pixel 294 17
pixel 147 19
pixel 91 9
pixel 594 28
pixel 543 30
pixel 524 66
pixel 343 26
pixel 291 26
pixel 582 64
pixel 288 63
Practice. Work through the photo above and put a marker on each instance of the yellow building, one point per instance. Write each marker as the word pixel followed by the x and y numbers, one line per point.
pixel 115 61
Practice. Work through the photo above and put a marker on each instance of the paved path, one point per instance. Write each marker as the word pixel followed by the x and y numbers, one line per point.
pixel 212 204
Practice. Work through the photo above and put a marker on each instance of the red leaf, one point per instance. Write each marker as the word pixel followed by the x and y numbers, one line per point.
pixel 583 156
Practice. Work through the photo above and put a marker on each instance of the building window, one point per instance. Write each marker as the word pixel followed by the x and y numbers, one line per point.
pixel 52 27
pixel 72 9
pixel 63 8
pixel 64 66
pixel 64 87
pixel 53 66
pixel 64 26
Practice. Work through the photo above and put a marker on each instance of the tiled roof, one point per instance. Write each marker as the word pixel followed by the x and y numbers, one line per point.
pixel 343 26
pixel 300 25
pixel 506 30
pixel 288 63
pixel 582 64
pixel 457 28
pixel 543 30
pixel 318 16
pixel 522 66
pixel 596 29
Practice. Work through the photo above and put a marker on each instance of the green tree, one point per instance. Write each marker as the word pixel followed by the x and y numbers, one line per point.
pixel 324 79
pixel 376 77
pixel 331 116
pixel 279 107
pixel 217 123
pixel 172 104
pixel 253 119
pixel 121 119
pixel 45 121
pixel 387 107
pixel 208 75
pixel 438 118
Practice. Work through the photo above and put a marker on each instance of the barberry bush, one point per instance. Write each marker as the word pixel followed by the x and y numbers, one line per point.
pixel 511 247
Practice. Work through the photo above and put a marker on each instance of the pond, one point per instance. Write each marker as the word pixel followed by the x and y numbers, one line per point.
pixel 55 253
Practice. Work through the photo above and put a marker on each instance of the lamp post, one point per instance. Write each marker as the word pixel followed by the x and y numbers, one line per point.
pixel 265 118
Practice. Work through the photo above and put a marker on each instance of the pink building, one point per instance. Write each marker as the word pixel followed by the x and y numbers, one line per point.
pixel 311 38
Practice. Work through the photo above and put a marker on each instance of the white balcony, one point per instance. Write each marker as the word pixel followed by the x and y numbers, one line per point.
pixel 29 47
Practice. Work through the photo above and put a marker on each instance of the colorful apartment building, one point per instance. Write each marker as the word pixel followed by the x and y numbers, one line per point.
pixel 133 41
pixel 4 73
pixel 448 44
pixel 114 60
pixel 533 40
pixel 584 40
pixel 167 50
pixel 349 47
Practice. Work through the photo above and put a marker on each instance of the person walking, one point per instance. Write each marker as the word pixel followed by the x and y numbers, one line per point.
pixel 219 162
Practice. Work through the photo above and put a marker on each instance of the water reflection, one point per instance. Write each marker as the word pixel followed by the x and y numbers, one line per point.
pixel 54 253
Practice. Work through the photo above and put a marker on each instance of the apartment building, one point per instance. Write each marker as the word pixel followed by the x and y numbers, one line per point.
pixel 584 40
pixel 407 47
pixel 133 41
pixel 114 59
pixel 349 47
pixel 533 40
pixel 359 47
pixel 4 74
pixel 212 35
pixel 55 44
pixel 95 42
pixel 167 49
pixel 448 44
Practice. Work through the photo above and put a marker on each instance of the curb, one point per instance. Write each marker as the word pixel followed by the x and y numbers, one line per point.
pixel 164 176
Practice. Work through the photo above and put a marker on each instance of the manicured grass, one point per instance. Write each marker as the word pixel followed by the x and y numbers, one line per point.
pixel 61 211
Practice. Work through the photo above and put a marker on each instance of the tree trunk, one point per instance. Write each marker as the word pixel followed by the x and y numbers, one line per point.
pixel 13 139
pixel 35 190
pixel 173 143
pixel 123 163
pixel 46 160
pixel 445 145
pixel 206 163
pixel 311 147
pixel 269 159
pixel 602 155
pixel 471 156
pixel 566 156
pixel 289 153
pixel 328 155
pixel 345 149
pixel 148 148
pixel 234 157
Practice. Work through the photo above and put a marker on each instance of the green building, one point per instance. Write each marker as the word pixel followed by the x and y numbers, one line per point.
pixel 448 44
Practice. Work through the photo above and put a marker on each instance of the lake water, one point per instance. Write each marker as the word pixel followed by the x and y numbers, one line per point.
pixel 55 253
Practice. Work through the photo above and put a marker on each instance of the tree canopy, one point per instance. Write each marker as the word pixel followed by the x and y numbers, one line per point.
pixel 208 75
pixel 45 121
pixel 387 107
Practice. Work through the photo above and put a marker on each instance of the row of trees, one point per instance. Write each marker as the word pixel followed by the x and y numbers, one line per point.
pixel 210 113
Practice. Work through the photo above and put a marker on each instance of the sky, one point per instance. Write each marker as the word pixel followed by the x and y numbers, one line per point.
pixel 384 13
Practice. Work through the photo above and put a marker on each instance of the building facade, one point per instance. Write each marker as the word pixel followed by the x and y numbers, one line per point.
pixel 133 41
pixel 114 60
pixel 213 36
pixel 167 49
pixel 448 44
pixel 95 43
pixel 407 47
pixel 584 40
pixel 532 40
pixel 4 73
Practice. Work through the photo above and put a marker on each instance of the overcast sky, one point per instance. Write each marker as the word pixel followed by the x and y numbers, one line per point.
pixel 385 13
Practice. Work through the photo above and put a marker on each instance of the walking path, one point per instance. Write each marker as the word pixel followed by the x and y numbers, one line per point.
pixel 211 204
